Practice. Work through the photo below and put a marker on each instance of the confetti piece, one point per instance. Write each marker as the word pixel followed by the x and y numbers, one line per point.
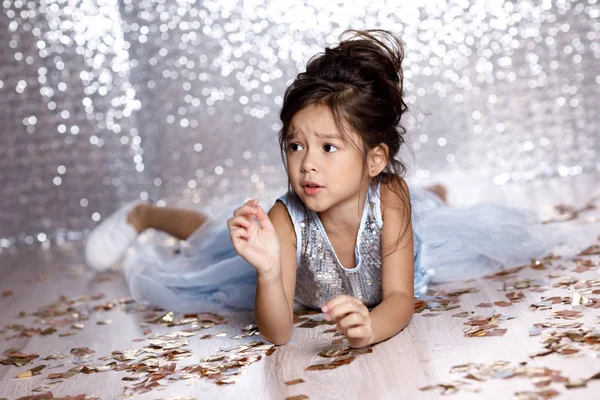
pixel 17 358
pixel 432 314
pixel 48 331
pixel 566 314
pixel 534 331
pixel 577 298
pixel 294 382
pixel 590 251
pixel 32 372
pixel 338 362
pixel 82 352
pixel 533 395
pixel 514 296
pixel 314 323
pixel 463 314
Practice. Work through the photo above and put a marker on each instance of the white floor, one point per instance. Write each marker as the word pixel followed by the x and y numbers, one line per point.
pixel 422 355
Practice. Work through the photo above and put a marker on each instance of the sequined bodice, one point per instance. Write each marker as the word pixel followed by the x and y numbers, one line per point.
pixel 320 276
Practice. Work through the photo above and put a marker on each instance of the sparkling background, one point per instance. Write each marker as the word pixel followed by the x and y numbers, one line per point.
pixel 176 100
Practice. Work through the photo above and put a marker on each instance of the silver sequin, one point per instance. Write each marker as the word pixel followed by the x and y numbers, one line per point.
pixel 320 276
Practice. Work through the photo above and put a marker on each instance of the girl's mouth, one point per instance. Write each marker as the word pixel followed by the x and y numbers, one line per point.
pixel 311 188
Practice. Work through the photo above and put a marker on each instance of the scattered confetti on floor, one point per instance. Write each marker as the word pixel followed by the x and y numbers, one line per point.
pixel 162 354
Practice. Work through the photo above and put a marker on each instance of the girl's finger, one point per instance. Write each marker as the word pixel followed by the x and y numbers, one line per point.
pixel 342 309
pixel 350 321
pixel 249 208
pixel 343 298
pixel 263 218
pixel 245 211
pixel 358 332
pixel 238 222
pixel 239 233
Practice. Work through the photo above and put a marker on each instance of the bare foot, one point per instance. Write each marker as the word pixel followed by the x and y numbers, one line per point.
pixel 137 217
pixel 440 191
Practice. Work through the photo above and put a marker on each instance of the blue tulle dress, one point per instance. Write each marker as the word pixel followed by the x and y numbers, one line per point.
pixel 451 244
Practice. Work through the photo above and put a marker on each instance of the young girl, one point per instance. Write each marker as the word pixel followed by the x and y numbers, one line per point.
pixel 342 238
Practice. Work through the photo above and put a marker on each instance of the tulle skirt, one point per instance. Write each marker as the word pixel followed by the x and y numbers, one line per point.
pixel 204 273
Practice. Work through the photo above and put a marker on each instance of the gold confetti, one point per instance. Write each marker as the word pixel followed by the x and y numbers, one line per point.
pixel 82 352
pixel 32 372
pixel 311 323
pixel 165 319
pixel 565 314
pixel 17 358
pixel 449 388
pixel 590 251
pixel 179 398
pixel 48 331
pixel 294 382
pixel 463 314
pixel 338 362
pixel 514 296
pixel 565 281
pixel 211 335
pixel 532 395
pixel 504 273
pixel 335 352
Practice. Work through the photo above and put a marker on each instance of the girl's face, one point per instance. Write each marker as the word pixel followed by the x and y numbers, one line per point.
pixel 325 166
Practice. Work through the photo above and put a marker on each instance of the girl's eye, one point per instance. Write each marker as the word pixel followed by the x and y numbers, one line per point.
pixel 329 148
pixel 294 147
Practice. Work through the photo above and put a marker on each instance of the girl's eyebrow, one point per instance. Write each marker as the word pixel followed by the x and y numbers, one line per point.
pixel 328 135
pixel 292 135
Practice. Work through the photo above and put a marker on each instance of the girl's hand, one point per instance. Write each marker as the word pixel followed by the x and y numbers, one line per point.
pixel 255 239
pixel 352 318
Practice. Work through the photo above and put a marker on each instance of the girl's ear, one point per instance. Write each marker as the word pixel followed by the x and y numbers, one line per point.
pixel 378 159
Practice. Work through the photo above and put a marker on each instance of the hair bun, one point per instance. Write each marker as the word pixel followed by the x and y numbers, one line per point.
pixel 377 49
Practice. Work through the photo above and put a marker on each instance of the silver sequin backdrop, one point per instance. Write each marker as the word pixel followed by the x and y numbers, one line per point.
pixel 103 101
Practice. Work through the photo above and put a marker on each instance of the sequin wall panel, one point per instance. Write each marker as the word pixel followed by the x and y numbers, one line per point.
pixel 105 101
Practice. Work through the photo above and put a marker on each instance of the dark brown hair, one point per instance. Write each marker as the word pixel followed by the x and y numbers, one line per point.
pixel 360 80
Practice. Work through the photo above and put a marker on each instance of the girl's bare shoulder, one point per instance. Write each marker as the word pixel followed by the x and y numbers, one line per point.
pixel 395 194
pixel 281 220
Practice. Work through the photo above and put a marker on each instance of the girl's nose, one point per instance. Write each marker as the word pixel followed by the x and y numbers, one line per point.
pixel 308 163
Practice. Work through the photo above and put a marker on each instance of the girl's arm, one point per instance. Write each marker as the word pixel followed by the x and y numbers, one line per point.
pixel 268 243
pixel 274 311
pixel 397 280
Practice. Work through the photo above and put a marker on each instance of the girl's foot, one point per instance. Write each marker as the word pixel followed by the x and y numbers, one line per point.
pixel 440 190
pixel 107 244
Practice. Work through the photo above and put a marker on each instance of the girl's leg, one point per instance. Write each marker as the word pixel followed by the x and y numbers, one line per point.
pixel 177 222
pixel 440 190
